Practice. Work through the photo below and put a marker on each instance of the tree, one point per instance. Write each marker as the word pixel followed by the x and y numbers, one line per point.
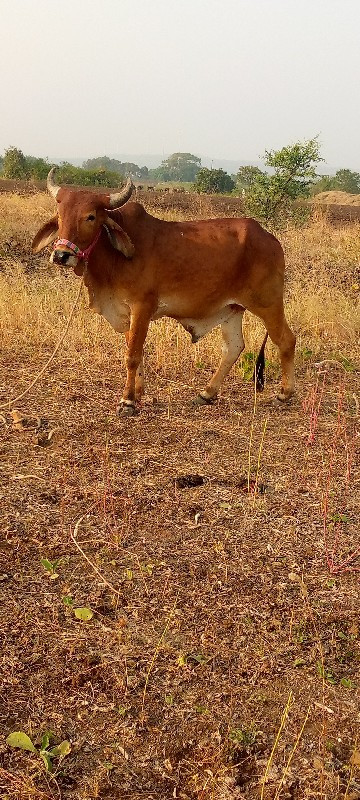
pixel 181 167
pixel 272 195
pixel 213 181
pixel 344 180
pixel 347 181
pixel 325 183
pixel 101 163
pixel 87 177
pixel 14 164
pixel 114 165
pixel 128 168
pixel 37 168
pixel 246 176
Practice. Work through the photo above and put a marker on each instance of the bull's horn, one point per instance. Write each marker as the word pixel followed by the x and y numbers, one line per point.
pixel 119 198
pixel 52 187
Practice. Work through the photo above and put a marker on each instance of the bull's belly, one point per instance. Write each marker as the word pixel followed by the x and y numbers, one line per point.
pixel 199 327
pixel 118 314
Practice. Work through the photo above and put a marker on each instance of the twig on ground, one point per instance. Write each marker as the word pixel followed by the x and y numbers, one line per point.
pixel 277 737
pixel 156 653
pixel 286 769
pixel 73 535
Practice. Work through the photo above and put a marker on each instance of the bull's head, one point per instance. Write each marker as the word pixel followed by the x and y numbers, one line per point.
pixel 78 222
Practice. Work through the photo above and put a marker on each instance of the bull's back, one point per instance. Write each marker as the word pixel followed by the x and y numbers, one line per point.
pixel 216 258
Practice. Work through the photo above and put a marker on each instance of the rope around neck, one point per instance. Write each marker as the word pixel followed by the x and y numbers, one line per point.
pixel 53 354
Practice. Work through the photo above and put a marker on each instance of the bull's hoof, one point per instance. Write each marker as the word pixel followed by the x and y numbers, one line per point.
pixel 126 410
pixel 200 400
pixel 284 397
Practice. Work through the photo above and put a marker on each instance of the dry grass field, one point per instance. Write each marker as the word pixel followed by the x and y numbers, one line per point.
pixel 336 197
pixel 217 548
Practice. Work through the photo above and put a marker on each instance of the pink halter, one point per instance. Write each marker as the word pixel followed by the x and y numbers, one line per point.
pixel 81 254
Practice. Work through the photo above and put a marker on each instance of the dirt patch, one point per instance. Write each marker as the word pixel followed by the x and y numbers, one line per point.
pixel 191 205
pixel 338 206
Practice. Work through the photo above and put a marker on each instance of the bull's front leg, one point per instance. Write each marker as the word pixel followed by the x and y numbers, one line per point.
pixel 135 337
pixel 140 374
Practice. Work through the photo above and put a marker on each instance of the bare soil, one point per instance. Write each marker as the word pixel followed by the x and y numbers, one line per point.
pixel 218 549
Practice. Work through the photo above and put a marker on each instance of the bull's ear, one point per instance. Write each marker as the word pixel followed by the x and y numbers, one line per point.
pixel 46 235
pixel 118 238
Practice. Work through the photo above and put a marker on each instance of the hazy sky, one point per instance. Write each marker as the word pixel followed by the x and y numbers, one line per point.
pixel 219 78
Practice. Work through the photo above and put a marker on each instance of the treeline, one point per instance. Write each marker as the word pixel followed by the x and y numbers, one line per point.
pixel 177 168
pixel 344 180
pixel 113 165
pixel 270 194
pixel 16 166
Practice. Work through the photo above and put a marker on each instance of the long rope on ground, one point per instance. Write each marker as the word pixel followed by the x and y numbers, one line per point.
pixel 53 354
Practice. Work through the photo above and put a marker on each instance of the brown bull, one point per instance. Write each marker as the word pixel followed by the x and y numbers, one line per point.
pixel 204 273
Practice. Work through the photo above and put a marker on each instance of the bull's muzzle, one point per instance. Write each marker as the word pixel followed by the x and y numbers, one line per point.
pixel 63 258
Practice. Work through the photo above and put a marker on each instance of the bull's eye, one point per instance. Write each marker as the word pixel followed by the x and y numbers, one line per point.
pixel 91 217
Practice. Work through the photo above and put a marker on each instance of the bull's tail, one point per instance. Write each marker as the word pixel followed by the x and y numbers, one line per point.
pixel 259 371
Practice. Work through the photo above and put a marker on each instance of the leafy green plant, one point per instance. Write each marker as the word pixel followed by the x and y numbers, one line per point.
pixel 347 683
pixel 14 164
pixel 68 601
pixel 191 659
pixel 85 614
pixel 300 634
pixel 169 699
pixel 348 365
pixel 272 196
pixel 201 709
pixel 247 365
pixel 147 569
pixel 246 176
pixel 51 567
pixel 330 583
pixel 21 740
pixel 213 181
pixel 306 353
pixel 108 765
pixel 339 518
pixel 299 662
pixel 198 658
pixel 82 613
pixel 325 674
pixel 244 737
pixel 46 752
pixel 68 173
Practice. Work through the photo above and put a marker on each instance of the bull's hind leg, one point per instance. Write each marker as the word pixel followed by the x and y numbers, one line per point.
pixel 283 337
pixel 233 345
